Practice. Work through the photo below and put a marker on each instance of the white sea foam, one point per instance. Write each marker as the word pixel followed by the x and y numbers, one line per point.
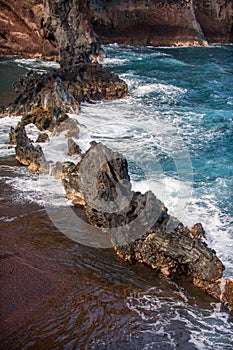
pixel 7 219
pixel 44 190
pixel 169 90
pixel 6 149
pixel 114 61
pixel 36 64
pixel 169 315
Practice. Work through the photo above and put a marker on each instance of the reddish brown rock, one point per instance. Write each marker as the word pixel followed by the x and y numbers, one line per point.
pixel 22 30
pixel 216 19
pixel 227 295
pixel 36 28
pixel 159 23
pixel 156 23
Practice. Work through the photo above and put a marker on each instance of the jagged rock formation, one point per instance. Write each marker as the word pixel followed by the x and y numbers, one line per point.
pixel 51 95
pixel 26 153
pixel 139 224
pixel 141 228
pixel 46 98
pixel 39 94
pixel 161 22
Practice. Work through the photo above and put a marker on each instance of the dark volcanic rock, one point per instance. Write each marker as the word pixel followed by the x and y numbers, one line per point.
pixel 26 153
pixel 45 93
pixel 70 24
pixel 140 226
pixel 46 98
pixel 93 82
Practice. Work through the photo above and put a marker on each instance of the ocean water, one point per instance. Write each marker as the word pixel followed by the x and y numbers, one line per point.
pixel 176 130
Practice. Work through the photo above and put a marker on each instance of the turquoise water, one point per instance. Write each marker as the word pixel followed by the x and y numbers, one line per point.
pixel 176 130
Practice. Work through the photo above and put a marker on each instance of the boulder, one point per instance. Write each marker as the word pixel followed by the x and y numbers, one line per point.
pixel 42 137
pixel 42 94
pixel 73 148
pixel 26 153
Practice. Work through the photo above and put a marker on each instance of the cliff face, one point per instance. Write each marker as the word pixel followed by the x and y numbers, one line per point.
pixel 146 22
pixel 215 19
pixel 39 27
pixel 22 29
pixel 169 22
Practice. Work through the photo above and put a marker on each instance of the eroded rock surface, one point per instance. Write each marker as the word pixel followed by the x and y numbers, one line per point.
pixel 69 22
pixel 44 99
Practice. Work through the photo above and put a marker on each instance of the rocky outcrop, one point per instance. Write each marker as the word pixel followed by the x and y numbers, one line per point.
pixel 50 29
pixel 26 152
pixel 43 95
pixel 162 23
pixel 140 226
pixel 44 99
